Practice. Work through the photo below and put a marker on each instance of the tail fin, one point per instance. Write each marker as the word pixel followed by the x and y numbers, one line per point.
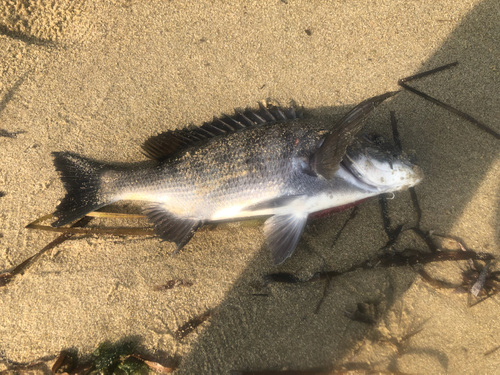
pixel 81 178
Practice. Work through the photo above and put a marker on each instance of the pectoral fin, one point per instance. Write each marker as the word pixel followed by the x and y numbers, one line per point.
pixel 172 228
pixel 327 159
pixel 283 233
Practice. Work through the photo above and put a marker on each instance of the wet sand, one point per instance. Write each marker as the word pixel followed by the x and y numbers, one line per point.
pixel 99 79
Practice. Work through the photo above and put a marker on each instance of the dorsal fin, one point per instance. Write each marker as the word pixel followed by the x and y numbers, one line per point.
pixel 164 145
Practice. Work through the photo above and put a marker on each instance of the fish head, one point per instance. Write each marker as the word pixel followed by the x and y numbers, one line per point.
pixel 381 165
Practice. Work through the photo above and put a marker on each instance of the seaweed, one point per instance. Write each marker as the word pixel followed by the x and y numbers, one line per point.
pixel 191 325
pixel 6 134
pixel 7 277
pixel 403 83
pixel 173 284
pixel 113 358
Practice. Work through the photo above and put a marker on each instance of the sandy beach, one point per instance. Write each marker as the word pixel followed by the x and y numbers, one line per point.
pixel 99 78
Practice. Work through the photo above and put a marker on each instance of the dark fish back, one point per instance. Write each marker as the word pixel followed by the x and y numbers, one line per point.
pixel 166 144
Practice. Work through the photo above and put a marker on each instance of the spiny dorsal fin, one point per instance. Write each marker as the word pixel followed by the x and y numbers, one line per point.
pixel 326 160
pixel 164 145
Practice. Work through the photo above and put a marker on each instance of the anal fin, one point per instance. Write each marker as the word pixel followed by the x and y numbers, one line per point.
pixel 172 228
pixel 283 233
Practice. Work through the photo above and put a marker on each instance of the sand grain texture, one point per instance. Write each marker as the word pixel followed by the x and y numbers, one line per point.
pixel 98 78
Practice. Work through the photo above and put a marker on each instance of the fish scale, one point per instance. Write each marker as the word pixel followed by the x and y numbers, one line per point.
pixel 239 167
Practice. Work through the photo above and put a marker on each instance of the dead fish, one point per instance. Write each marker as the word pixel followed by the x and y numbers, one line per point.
pixel 268 162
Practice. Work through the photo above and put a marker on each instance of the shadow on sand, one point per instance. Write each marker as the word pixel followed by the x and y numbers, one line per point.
pixel 275 327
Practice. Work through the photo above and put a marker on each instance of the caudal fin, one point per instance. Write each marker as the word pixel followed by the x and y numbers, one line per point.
pixel 82 179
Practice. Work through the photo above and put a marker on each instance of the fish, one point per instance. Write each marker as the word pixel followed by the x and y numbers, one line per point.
pixel 271 162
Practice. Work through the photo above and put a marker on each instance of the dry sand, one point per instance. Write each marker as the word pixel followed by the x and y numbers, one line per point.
pixel 98 78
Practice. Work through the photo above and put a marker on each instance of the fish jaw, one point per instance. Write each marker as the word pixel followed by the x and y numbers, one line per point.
pixel 382 175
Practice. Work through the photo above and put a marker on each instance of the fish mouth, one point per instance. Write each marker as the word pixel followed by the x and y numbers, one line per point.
pixel 379 167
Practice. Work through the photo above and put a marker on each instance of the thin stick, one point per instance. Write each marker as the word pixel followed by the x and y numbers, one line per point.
pixel 78 230
pixel 115 215
pixel 112 231
pixel 395 132
pixel 478 124
pixel 353 214
pixel 416 205
pixel 5 278
pixel 428 73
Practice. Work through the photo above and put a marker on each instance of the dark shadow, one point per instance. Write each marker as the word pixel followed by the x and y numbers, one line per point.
pixel 274 327
pixel 441 357
pixel 25 38
pixel 10 95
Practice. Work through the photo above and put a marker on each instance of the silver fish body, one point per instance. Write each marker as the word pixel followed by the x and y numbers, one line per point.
pixel 267 167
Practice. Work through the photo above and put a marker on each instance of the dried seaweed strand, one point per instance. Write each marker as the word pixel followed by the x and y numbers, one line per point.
pixel 396 260
pixel 190 326
pixel 353 214
pixel 78 230
pixel 7 277
pixel 478 124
